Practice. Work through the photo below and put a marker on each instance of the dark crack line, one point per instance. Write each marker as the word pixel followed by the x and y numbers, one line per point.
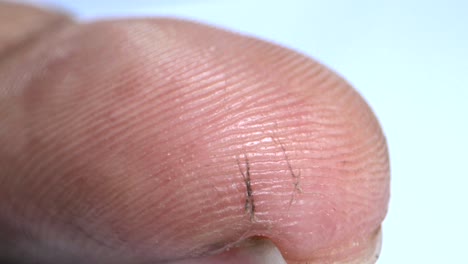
pixel 295 177
pixel 249 200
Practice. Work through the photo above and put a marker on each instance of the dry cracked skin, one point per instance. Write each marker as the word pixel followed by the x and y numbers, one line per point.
pixel 167 141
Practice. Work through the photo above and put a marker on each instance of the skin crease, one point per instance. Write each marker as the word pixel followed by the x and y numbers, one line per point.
pixel 153 140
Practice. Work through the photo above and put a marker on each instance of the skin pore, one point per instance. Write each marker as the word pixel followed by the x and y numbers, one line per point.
pixel 160 141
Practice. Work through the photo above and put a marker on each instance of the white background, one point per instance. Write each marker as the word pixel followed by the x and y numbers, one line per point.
pixel 409 59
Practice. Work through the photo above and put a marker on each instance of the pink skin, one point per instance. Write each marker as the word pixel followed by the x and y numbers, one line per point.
pixel 128 142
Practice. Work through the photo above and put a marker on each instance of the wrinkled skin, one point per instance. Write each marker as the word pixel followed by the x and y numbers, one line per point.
pixel 153 140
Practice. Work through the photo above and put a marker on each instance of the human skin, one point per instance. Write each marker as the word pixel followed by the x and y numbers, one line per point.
pixel 157 140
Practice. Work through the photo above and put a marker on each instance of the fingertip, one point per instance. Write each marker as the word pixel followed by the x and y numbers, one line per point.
pixel 142 122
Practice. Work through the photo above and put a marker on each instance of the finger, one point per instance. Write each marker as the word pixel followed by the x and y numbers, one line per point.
pixel 21 28
pixel 21 24
pixel 161 140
